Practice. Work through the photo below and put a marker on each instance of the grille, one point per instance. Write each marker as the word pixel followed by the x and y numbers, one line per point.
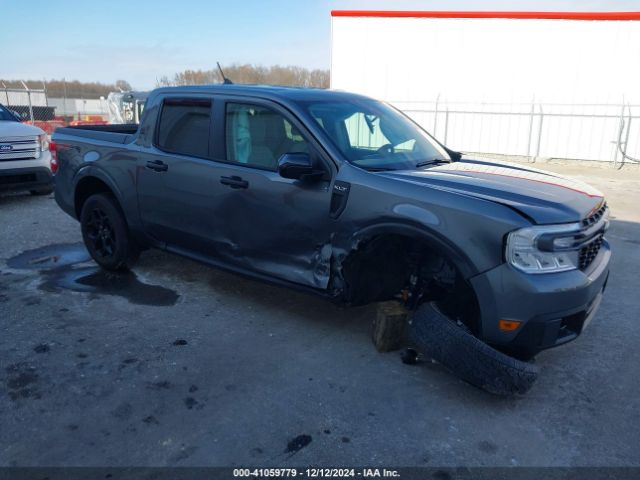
pixel 592 219
pixel 19 148
pixel 589 252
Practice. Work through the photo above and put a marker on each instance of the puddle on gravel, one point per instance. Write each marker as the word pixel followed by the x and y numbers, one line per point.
pixel 121 284
pixel 56 264
pixel 51 256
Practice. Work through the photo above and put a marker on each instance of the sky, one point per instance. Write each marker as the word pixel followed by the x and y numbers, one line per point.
pixel 142 40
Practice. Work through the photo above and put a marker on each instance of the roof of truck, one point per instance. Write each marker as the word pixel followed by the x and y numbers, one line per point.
pixel 264 91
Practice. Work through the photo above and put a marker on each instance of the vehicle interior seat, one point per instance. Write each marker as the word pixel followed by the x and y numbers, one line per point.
pixel 276 135
pixel 261 154
pixel 190 135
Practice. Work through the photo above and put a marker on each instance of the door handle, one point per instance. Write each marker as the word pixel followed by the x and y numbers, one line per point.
pixel 157 165
pixel 234 182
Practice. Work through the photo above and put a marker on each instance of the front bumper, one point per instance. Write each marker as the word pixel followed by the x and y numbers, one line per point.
pixel 30 178
pixel 553 308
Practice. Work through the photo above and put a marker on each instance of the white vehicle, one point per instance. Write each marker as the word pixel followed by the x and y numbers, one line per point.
pixel 126 107
pixel 25 160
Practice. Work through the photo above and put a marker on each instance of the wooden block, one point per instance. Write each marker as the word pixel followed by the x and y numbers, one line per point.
pixel 389 326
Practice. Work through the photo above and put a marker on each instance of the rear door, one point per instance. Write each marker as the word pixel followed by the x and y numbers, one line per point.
pixel 176 176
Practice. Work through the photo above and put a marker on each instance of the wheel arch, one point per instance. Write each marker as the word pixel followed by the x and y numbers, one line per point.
pixel 90 180
pixel 408 263
pixel 421 233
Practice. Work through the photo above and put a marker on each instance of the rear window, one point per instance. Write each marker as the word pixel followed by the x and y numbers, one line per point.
pixel 184 126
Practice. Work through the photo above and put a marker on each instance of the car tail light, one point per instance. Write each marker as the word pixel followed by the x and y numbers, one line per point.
pixel 53 148
pixel 44 143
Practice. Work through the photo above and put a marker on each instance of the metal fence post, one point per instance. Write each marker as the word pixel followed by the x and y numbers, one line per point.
pixel 446 124
pixel 626 139
pixel 64 98
pixel 619 136
pixel 29 99
pixel 30 105
pixel 530 130
pixel 6 93
pixel 539 132
pixel 435 117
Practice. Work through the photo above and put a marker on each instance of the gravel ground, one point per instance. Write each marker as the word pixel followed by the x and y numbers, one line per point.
pixel 180 364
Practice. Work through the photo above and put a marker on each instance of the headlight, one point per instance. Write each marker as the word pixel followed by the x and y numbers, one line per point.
pixel 528 248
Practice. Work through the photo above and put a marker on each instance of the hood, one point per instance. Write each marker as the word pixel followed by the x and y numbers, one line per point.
pixel 17 129
pixel 542 196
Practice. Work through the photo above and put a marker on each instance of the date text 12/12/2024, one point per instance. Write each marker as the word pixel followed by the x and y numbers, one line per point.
pixel 315 473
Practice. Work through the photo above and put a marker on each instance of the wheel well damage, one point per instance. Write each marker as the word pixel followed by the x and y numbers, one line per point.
pixel 409 269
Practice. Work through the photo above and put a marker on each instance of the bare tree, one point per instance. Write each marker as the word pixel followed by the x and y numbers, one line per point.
pixel 289 75
pixel 164 82
pixel 123 85
pixel 252 74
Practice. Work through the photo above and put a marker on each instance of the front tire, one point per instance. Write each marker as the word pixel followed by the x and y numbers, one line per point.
pixel 106 234
pixel 467 356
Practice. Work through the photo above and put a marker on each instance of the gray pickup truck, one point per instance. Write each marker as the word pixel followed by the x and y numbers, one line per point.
pixel 344 196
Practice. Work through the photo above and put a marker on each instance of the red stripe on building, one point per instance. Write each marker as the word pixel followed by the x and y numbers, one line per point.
pixel 511 15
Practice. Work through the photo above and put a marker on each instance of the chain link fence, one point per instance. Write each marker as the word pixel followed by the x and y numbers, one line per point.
pixel 29 105
pixel 37 107
pixel 595 132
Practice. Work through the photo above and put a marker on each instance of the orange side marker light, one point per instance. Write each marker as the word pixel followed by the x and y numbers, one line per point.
pixel 508 325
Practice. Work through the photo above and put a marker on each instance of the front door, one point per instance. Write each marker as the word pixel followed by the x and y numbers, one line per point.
pixel 264 222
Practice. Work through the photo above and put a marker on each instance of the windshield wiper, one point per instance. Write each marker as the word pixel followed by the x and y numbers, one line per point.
pixel 433 161
pixel 378 169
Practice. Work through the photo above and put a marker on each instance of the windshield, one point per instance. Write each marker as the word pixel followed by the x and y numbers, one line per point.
pixel 5 114
pixel 375 136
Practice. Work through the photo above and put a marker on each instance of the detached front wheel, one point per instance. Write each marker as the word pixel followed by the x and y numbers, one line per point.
pixel 469 357
pixel 106 234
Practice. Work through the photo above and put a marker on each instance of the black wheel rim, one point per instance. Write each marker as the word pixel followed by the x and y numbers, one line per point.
pixel 100 233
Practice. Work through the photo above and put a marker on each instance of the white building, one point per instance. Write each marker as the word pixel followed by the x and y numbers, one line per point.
pixel 79 106
pixel 545 84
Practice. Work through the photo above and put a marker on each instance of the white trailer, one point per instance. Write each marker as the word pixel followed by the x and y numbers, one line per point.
pixel 541 84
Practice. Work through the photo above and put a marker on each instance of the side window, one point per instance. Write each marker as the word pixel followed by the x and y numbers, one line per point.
pixel 184 126
pixel 258 136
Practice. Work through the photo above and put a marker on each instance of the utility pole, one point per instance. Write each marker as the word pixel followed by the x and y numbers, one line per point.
pixel 28 98
pixel 64 96
pixel 44 88
pixel 6 92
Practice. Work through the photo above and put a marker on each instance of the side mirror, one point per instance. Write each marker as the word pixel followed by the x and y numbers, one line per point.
pixel 296 166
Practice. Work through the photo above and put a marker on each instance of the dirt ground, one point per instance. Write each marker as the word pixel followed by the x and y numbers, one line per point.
pixel 181 364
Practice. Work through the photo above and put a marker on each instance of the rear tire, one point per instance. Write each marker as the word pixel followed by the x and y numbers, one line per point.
pixel 467 356
pixel 106 234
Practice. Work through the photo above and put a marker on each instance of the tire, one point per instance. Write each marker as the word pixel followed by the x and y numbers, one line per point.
pixel 41 191
pixel 468 357
pixel 519 353
pixel 106 234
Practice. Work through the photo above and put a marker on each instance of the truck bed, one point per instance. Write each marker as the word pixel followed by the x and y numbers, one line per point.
pixel 106 133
